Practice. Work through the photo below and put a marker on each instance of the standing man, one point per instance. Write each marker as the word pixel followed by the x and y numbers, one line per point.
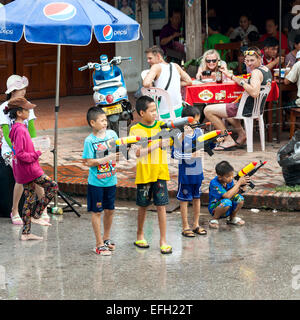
pixel 167 76
pixel 294 77
pixel 170 33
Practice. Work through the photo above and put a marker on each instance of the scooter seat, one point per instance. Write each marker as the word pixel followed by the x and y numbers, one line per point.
pixel 108 85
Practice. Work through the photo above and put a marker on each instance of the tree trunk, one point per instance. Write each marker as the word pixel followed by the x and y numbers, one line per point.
pixel 193 30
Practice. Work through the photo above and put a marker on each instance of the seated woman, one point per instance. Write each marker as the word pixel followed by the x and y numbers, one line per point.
pixel 209 65
pixel 260 75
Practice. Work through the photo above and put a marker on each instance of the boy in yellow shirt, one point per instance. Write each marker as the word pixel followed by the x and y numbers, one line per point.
pixel 152 172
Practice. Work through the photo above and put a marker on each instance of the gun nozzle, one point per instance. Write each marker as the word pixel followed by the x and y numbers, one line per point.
pixel 229 133
pixel 207 123
pixel 254 163
pixel 265 162
pixel 190 119
pixel 138 138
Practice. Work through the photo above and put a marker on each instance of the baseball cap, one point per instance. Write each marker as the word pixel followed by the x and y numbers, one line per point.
pixel 20 103
pixel 15 82
pixel 298 55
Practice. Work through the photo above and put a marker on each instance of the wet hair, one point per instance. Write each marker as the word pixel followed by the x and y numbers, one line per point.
pixel 12 113
pixel 297 39
pixel 272 19
pixel 190 111
pixel 176 10
pixel 213 23
pixel 93 114
pixel 271 42
pixel 155 50
pixel 142 104
pixel 223 168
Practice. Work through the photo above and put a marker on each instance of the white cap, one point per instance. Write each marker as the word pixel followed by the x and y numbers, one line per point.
pixel 298 55
pixel 15 82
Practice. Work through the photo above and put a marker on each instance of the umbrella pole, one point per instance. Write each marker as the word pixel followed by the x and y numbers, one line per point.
pixel 278 111
pixel 67 199
pixel 56 116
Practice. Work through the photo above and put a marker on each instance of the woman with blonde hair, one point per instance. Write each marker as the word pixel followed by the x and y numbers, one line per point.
pixel 209 65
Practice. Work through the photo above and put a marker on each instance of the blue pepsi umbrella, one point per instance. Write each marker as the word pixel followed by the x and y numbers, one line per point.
pixel 67 22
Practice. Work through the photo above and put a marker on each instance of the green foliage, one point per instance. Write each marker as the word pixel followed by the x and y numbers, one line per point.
pixel 288 189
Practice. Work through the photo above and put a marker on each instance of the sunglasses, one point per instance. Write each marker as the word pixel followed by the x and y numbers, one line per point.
pixel 251 53
pixel 211 61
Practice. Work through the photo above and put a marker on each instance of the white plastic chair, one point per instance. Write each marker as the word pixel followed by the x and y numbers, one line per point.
pixel 156 94
pixel 257 113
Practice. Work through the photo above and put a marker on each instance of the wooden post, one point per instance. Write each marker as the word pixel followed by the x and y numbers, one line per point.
pixel 193 30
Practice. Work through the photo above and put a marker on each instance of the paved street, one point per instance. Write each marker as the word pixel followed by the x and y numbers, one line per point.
pixel 256 261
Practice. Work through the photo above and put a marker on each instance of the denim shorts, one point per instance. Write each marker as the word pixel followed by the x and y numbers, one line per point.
pixel 157 190
pixel 100 198
pixel 188 192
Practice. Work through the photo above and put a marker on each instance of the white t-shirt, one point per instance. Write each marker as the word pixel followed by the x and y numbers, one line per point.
pixel 242 33
pixel 294 77
pixel 5 119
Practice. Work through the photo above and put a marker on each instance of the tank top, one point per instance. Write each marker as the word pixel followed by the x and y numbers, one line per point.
pixel 174 89
pixel 249 103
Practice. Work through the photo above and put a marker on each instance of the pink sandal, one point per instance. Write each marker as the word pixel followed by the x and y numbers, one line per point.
pixel 16 219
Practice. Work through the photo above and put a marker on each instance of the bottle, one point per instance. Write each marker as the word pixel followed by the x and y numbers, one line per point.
pixel 181 37
pixel 219 75
pixel 182 64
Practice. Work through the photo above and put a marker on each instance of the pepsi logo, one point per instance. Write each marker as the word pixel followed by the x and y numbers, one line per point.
pixel 108 32
pixel 60 11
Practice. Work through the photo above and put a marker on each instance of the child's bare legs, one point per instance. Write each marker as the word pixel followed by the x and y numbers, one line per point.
pixel 219 211
pixel 162 221
pixel 140 223
pixel 18 190
pixel 96 223
pixel 234 213
pixel 107 222
pixel 196 210
pixel 184 215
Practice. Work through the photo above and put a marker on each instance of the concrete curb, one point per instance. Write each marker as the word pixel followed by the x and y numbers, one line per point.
pixel 260 199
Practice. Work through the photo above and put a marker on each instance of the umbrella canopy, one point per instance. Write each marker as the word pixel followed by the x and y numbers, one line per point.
pixel 68 22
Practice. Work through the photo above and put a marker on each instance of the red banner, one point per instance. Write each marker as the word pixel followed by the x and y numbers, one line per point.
pixel 220 93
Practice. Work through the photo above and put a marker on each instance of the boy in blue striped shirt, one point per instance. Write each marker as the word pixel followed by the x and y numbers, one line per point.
pixel 190 173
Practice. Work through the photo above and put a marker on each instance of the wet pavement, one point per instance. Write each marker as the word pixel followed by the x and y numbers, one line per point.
pixel 258 261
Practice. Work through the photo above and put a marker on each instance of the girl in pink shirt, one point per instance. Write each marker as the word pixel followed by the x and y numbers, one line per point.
pixel 26 167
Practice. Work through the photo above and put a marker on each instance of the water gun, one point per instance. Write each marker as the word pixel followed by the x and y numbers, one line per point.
pixel 119 145
pixel 210 138
pixel 250 170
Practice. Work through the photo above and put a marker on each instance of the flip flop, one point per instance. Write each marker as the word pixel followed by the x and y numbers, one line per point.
pixel 221 148
pixel 141 244
pixel 188 233
pixel 166 249
pixel 200 231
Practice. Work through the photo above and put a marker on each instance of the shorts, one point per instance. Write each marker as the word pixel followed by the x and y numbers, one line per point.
pixel 101 198
pixel 230 203
pixel 231 109
pixel 158 190
pixel 188 192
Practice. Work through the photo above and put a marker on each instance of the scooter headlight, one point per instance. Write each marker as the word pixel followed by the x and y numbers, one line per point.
pixel 98 97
